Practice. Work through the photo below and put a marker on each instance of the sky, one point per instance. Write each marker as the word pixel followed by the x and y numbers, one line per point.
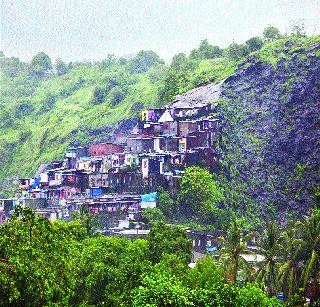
pixel 77 30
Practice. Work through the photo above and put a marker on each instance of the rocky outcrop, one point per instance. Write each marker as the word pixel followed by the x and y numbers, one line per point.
pixel 201 95
pixel 270 134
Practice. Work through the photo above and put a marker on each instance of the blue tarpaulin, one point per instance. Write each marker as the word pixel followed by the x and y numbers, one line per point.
pixel 149 198
pixel 36 184
pixel 96 191
pixel 211 248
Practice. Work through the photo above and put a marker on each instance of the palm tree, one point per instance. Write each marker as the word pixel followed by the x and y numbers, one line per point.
pixel 310 236
pixel 268 246
pixel 289 271
pixel 233 246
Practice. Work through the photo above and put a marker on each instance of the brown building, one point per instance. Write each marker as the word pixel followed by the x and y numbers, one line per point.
pixel 140 144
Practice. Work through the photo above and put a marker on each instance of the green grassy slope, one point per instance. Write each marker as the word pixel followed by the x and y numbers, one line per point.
pixel 40 118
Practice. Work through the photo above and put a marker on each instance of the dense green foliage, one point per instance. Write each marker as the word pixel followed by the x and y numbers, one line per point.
pixel 44 263
pixel 54 264
pixel 200 200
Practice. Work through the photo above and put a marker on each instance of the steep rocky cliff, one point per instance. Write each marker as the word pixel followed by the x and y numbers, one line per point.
pixel 270 133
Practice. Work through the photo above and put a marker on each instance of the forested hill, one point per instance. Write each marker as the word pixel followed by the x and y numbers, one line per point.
pixel 47 106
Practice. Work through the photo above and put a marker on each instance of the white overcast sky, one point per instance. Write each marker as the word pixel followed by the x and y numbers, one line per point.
pixel 77 30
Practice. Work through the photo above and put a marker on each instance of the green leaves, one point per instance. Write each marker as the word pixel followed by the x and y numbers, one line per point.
pixel 199 193
pixel 37 264
pixel 168 239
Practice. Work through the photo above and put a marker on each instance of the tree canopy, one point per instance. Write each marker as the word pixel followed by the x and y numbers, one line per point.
pixel 40 65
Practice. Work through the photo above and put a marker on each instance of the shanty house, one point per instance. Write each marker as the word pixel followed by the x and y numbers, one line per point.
pixel 103 149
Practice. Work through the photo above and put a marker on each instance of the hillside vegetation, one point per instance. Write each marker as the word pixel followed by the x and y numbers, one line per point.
pixel 45 107
pixel 42 114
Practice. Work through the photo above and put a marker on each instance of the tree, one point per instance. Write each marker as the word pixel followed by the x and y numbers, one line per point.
pixel 199 193
pixel 162 289
pixel 37 261
pixel 205 51
pixel 165 203
pixel 116 95
pixel 202 286
pixel 86 219
pixel 176 79
pixel 251 295
pixel 310 236
pixel 143 61
pixel 168 239
pixel 61 67
pixel 271 33
pixel 269 246
pixel 233 246
pixel 49 102
pixel 11 67
pixel 298 28
pixel 99 95
pixel 236 51
pixel 289 271
pixel 152 215
pixel 40 65
pixel 179 62
pixel 109 268
pixel 254 44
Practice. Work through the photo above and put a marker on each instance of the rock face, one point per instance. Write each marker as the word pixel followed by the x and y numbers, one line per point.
pixel 270 133
pixel 204 94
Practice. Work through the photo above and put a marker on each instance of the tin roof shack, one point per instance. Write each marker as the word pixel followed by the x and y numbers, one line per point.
pixel 151 163
pixel 44 180
pixel 123 180
pixel 75 153
pixel 186 110
pixel 131 160
pixel 63 192
pixel 95 180
pixel 186 127
pixel 151 115
pixel 202 240
pixel 149 200
pixel 169 126
pixel 81 151
pixel 158 144
pixel 84 164
pixel 208 123
pixel 56 164
pixel 151 129
pixel 171 144
pixel 106 163
pixel 103 149
pixel 24 184
pixel 140 145
pixel 96 164
pixel 199 139
pixel 113 203
pixel 82 180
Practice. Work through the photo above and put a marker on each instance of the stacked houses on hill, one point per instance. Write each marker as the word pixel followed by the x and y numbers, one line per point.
pixel 154 153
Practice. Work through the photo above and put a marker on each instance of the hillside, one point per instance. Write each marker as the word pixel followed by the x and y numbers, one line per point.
pixel 268 105
pixel 41 116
